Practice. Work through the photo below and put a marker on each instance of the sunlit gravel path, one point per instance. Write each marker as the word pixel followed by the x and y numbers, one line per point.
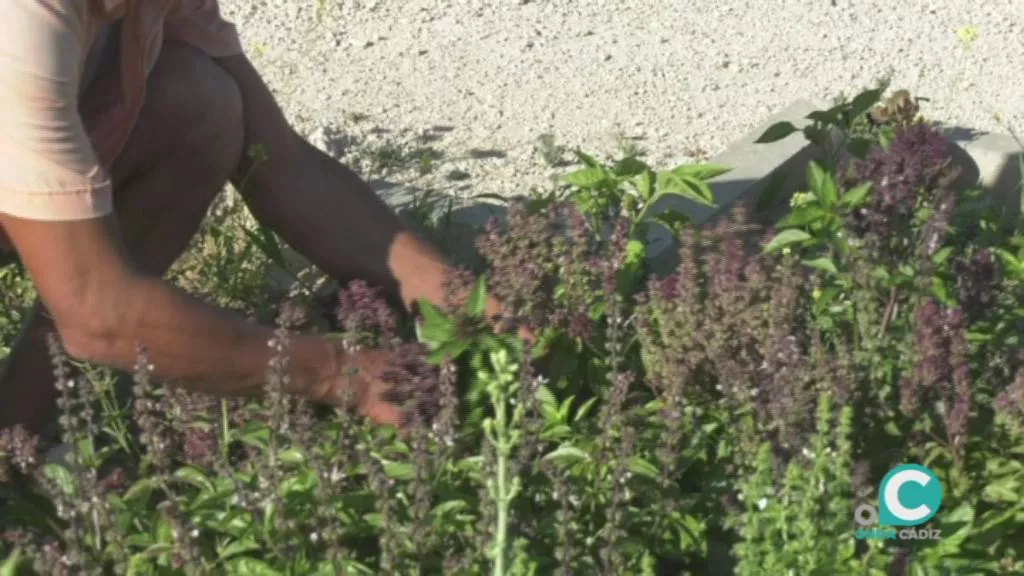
pixel 686 76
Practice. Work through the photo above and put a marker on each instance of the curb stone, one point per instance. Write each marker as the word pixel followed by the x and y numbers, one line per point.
pixel 764 177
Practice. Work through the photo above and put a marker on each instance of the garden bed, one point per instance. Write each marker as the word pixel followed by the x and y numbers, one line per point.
pixel 727 412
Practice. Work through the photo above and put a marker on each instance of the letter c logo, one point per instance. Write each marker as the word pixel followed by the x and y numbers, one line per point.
pixel 910 495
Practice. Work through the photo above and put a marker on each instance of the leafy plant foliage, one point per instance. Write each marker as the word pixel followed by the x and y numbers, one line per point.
pixel 727 417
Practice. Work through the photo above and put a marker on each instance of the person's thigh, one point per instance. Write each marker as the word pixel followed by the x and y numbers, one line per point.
pixel 192 108
pixel 184 146
pixel 185 143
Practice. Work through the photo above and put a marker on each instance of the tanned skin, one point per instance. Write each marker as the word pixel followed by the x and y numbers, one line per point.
pixel 104 295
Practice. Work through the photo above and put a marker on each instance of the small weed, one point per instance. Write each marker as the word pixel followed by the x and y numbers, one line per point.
pixel 356 117
pixel 456 175
pixel 629 145
pixel 553 154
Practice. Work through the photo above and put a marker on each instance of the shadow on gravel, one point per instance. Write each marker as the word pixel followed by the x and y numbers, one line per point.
pixel 766 197
pixel 461 221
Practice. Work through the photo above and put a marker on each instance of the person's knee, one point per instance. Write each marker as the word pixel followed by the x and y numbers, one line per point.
pixel 201 107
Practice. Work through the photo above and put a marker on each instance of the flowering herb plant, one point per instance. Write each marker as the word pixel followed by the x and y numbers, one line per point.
pixel 726 417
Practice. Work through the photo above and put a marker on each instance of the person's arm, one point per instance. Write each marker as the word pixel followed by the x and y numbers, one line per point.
pixel 103 309
pixel 324 210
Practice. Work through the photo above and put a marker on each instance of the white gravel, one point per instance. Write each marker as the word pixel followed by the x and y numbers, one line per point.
pixel 687 77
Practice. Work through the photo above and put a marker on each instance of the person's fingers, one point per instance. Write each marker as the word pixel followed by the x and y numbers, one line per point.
pixel 384 413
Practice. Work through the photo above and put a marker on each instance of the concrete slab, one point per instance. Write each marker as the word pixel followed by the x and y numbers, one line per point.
pixel 775 169
pixel 991 162
pixel 763 177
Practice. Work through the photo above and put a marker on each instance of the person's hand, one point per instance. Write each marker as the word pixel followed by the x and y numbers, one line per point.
pixel 358 385
pixel 494 312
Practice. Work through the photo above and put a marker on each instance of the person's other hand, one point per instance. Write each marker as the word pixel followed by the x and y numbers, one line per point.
pixel 494 312
pixel 359 386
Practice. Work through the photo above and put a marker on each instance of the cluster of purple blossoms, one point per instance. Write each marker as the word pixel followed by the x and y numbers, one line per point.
pixel 977 279
pixel 916 164
pixel 942 371
pixel 364 315
pixel 413 381
pixel 19 449
pixel 1010 402
pixel 555 246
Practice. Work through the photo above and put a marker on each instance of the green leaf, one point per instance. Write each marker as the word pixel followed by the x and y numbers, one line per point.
pixel 860 147
pixel 855 196
pixel 703 172
pixel 830 116
pixel 823 263
pixel 822 184
pixel 942 255
pixel 1009 260
pixel 777 132
pixel 84 450
pixel 61 476
pixel 141 489
pixel 641 467
pixel 644 183
pixel 304 481
pixel 546 398
pixel 673 220
pixel 786 238
pixel 265 239
pixel 587 178
pixel 447 508
pixel 630 166
pixel 1006 489
pixel 436 328
pixel 587 160
pixel 941 291
pixel 864 101
pixel 956 527
pixel 585 409
pixel 635 251
pixel 451 350
pixel 399 470
pixel 802 216
pixel 885 137
pixel 254 432
pixel 9 567
pixel 196 477
pixel 566 455
pixel 478 299
pixel 238 547
pixel 671 183
pixel 705 194
pixel 292 456
pixel 246 566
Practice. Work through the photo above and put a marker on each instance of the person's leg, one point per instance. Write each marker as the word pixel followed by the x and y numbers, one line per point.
pixel 185 144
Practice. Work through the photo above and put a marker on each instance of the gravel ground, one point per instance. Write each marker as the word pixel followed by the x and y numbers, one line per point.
pixel 462 89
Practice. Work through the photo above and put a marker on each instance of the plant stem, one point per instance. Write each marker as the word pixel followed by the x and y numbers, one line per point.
pixel 502 438
pixel 890 308
pixel 225 428
pixel 501 530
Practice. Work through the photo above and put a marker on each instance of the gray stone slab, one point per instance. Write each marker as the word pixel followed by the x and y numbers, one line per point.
pixel 990 162
pixel 762 177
